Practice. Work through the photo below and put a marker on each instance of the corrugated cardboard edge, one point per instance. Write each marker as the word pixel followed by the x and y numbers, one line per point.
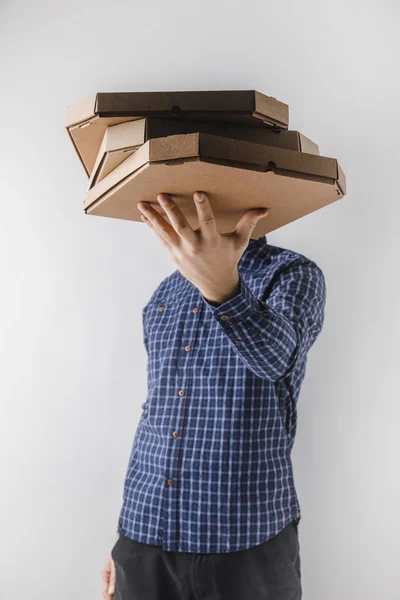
pixel 99 160
pixel 81 111
pixel 188 145
pixel 124 140
pixel 153 150
pixel 78 113
pixel 341 179
pixel 198 146
pixel 259 104
pixel 264 104
pixel 240 151
pixel 141 128
pixel 194 100
pixel 306 145
pixel 77 152
pixel 107 141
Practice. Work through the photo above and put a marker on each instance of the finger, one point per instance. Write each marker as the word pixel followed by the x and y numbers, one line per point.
pixel 248 222
pixel 111 586
pixel 105 578
pixel 177 218
pixel 163 241
pixel 205 214
pixel 165 230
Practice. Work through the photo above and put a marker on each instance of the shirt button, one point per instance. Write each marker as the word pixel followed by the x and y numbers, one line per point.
pixel 175 434
pixel 161 308
pixel 170 482
pixel 238 341
pixel 195 309
pixel 187 348
pixel 181 392
pixel 223 317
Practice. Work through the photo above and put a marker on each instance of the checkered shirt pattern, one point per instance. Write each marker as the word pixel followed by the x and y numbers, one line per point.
pixel 210 467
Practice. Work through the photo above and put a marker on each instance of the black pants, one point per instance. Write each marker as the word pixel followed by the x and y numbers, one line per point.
pixel 270 571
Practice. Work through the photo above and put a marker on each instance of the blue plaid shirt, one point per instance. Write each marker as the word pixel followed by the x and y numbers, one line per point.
pixel 210 467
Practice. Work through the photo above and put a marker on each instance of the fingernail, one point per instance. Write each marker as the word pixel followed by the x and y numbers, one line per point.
pixel 200 196
pixel 111 590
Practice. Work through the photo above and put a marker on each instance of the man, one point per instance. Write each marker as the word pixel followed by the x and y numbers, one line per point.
pixel 210 508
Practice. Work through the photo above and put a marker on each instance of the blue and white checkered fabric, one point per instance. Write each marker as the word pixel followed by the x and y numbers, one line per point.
pixel 210 467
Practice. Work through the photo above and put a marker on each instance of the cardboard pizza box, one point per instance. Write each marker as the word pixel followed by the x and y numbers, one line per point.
pixel 237 175
pixel 120 141
pixel 87 120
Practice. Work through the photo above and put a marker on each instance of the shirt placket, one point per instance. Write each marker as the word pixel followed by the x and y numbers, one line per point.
pixel 181 388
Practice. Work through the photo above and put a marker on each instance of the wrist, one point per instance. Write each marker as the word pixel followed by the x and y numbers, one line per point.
pixel 220 296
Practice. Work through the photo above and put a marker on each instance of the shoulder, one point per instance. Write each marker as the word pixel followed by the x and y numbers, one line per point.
pixel 284 257
pixel 167 287
pixel 275 262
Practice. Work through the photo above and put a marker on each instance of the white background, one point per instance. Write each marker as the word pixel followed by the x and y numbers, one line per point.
pixel 73 285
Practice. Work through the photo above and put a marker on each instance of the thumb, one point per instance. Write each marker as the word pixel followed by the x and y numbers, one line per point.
pixel 111 585
pixel 247 223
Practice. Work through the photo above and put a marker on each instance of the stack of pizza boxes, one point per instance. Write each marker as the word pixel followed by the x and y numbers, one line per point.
pixel 233 145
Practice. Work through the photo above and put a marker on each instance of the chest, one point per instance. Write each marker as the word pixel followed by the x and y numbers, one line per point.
pixel 181 331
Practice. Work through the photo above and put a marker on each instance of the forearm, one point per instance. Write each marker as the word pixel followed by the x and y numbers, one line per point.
pixel 262 337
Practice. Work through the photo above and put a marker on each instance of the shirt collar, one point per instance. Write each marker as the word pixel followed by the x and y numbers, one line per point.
pixel 253 245
pixel 261 241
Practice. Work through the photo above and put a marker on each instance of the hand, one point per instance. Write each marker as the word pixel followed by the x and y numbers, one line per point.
pixel 205 257
pixel 108 578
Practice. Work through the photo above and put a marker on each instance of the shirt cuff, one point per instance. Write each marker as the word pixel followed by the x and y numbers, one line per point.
pixel 243 305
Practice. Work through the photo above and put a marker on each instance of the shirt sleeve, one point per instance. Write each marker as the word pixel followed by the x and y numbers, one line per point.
pixel 272 332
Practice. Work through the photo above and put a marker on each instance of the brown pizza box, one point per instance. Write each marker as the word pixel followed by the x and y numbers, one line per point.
pixel 120 141
pixel 237 175
pixel 87 120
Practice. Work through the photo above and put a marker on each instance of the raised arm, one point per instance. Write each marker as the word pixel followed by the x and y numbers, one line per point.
pixel 272 332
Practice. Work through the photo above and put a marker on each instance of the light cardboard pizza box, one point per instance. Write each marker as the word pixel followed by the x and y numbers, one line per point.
pixel 120 141
pixel 237 176
pixel 87 120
